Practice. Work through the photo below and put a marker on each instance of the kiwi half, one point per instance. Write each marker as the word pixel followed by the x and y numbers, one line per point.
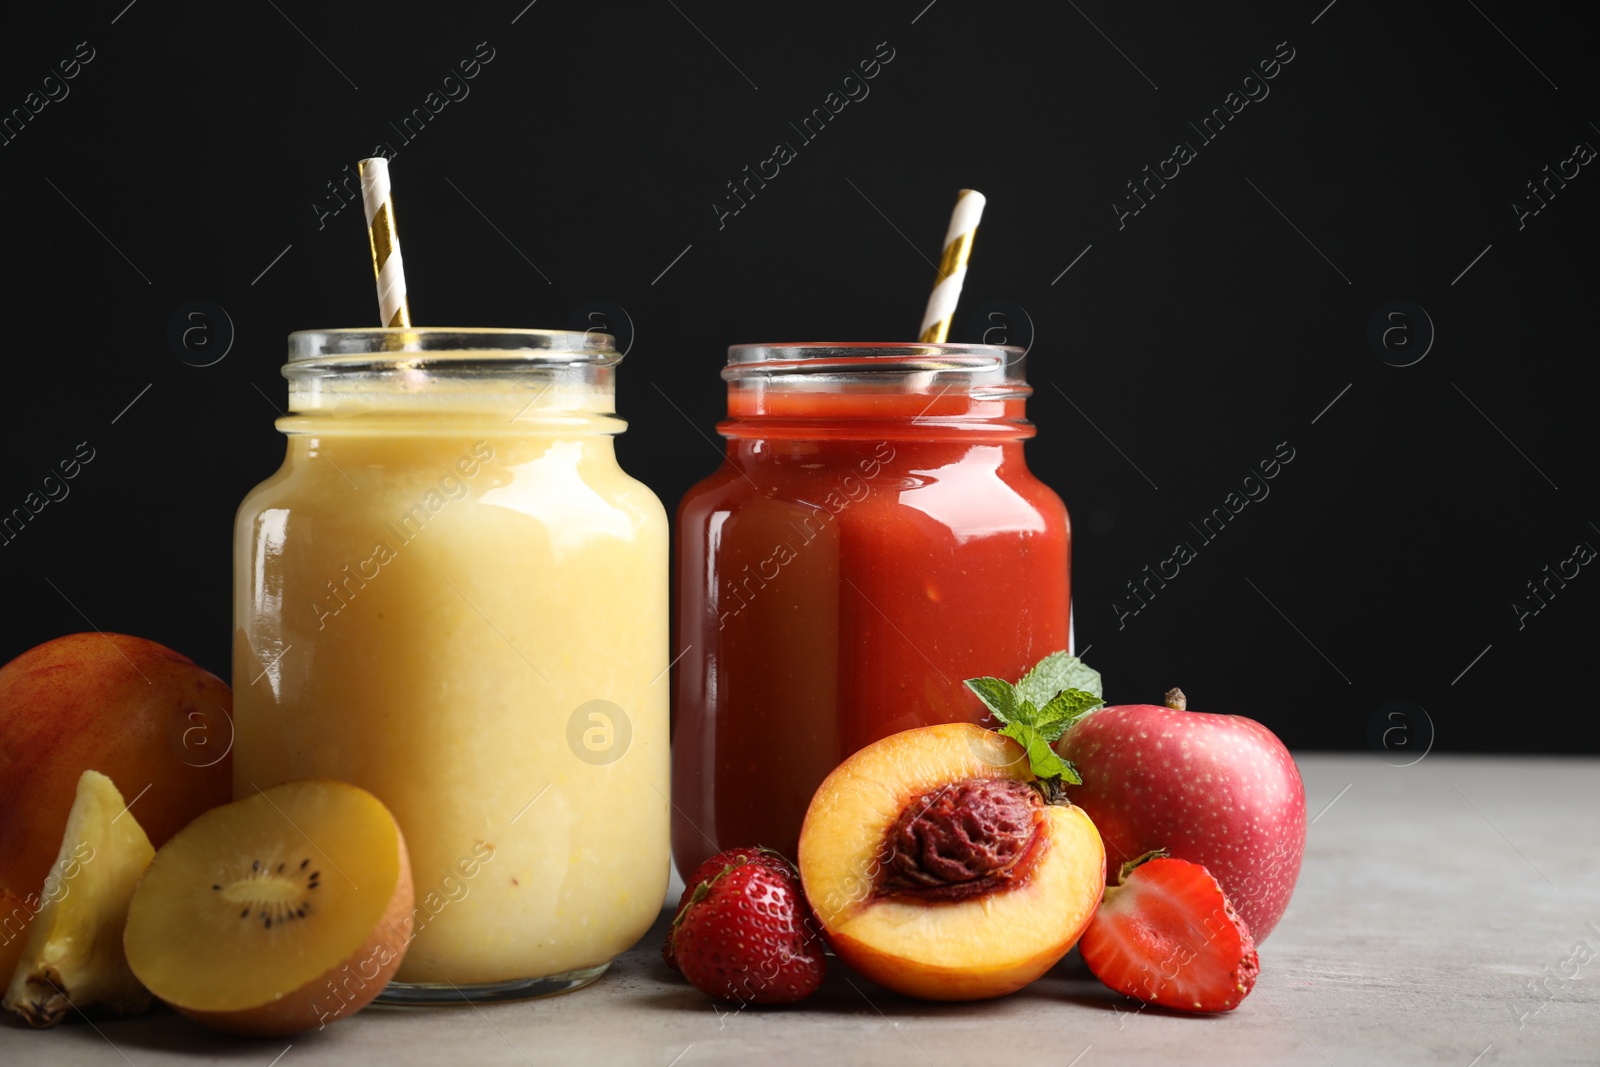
pixel 281 912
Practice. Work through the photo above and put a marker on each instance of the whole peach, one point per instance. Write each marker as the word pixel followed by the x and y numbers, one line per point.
pixel 156 724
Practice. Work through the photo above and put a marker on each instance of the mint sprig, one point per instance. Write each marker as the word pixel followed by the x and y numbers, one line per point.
pixel 1039 708
pixel 1056 672
pixel 998 695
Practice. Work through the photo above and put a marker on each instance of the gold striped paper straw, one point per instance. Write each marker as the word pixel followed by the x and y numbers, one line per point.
pixel 378 200
pixel 952 267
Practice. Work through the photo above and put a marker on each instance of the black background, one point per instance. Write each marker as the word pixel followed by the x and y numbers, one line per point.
pixel 1210 327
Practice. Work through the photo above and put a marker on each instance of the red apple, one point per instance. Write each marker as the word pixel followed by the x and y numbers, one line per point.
pixel 152 721
pixel 1218 790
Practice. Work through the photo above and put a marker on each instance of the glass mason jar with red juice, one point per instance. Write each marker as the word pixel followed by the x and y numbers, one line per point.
pixel 873 538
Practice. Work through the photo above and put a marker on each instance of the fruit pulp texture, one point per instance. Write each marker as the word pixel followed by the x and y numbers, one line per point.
pixel 837 581
pixel 438 633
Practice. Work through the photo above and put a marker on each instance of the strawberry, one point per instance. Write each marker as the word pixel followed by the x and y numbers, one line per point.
pixel 1166 934
pixel 712 867
pixel 743 935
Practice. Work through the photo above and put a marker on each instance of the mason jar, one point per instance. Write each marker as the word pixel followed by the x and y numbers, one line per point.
pixel 451 595
pixel 873 538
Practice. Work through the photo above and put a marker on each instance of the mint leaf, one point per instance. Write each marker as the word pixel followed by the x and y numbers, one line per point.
pixel 1035 712
pixel 999 696
pixel 1056 672
pixel 1041 757
pixel 1064 709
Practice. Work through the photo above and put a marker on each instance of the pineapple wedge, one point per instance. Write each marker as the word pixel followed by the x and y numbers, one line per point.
pixel 73 957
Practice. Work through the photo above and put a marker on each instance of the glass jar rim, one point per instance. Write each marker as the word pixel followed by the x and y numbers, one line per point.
pixel 429 344
pixel 920 352
pixel 915 365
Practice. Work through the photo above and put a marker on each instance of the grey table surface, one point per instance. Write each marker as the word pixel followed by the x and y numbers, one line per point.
pixel 1447 913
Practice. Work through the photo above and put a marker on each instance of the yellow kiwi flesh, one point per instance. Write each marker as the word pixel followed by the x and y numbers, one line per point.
pixel 280 912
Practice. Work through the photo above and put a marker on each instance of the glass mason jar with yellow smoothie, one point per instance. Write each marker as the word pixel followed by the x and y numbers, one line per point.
pixel 452 596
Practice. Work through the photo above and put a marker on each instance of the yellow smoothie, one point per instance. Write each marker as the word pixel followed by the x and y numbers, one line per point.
pixel 459 603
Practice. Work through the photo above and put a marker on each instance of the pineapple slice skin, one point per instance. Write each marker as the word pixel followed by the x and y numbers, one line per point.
pixel 73 959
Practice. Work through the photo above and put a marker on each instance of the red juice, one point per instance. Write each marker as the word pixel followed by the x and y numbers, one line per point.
pixel 873 538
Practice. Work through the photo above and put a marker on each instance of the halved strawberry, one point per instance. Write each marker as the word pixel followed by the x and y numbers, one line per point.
pixel 712 867
pixel 1167 935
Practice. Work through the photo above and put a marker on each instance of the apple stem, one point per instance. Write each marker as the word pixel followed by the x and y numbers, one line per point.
pixel 1176 700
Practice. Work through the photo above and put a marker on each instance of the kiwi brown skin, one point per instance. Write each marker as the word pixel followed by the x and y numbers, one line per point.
pixel 315 1004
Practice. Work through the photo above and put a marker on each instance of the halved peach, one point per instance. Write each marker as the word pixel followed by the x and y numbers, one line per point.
pixel 938 870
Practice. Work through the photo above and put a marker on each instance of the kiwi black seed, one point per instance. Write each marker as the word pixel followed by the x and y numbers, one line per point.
pixel 276 911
